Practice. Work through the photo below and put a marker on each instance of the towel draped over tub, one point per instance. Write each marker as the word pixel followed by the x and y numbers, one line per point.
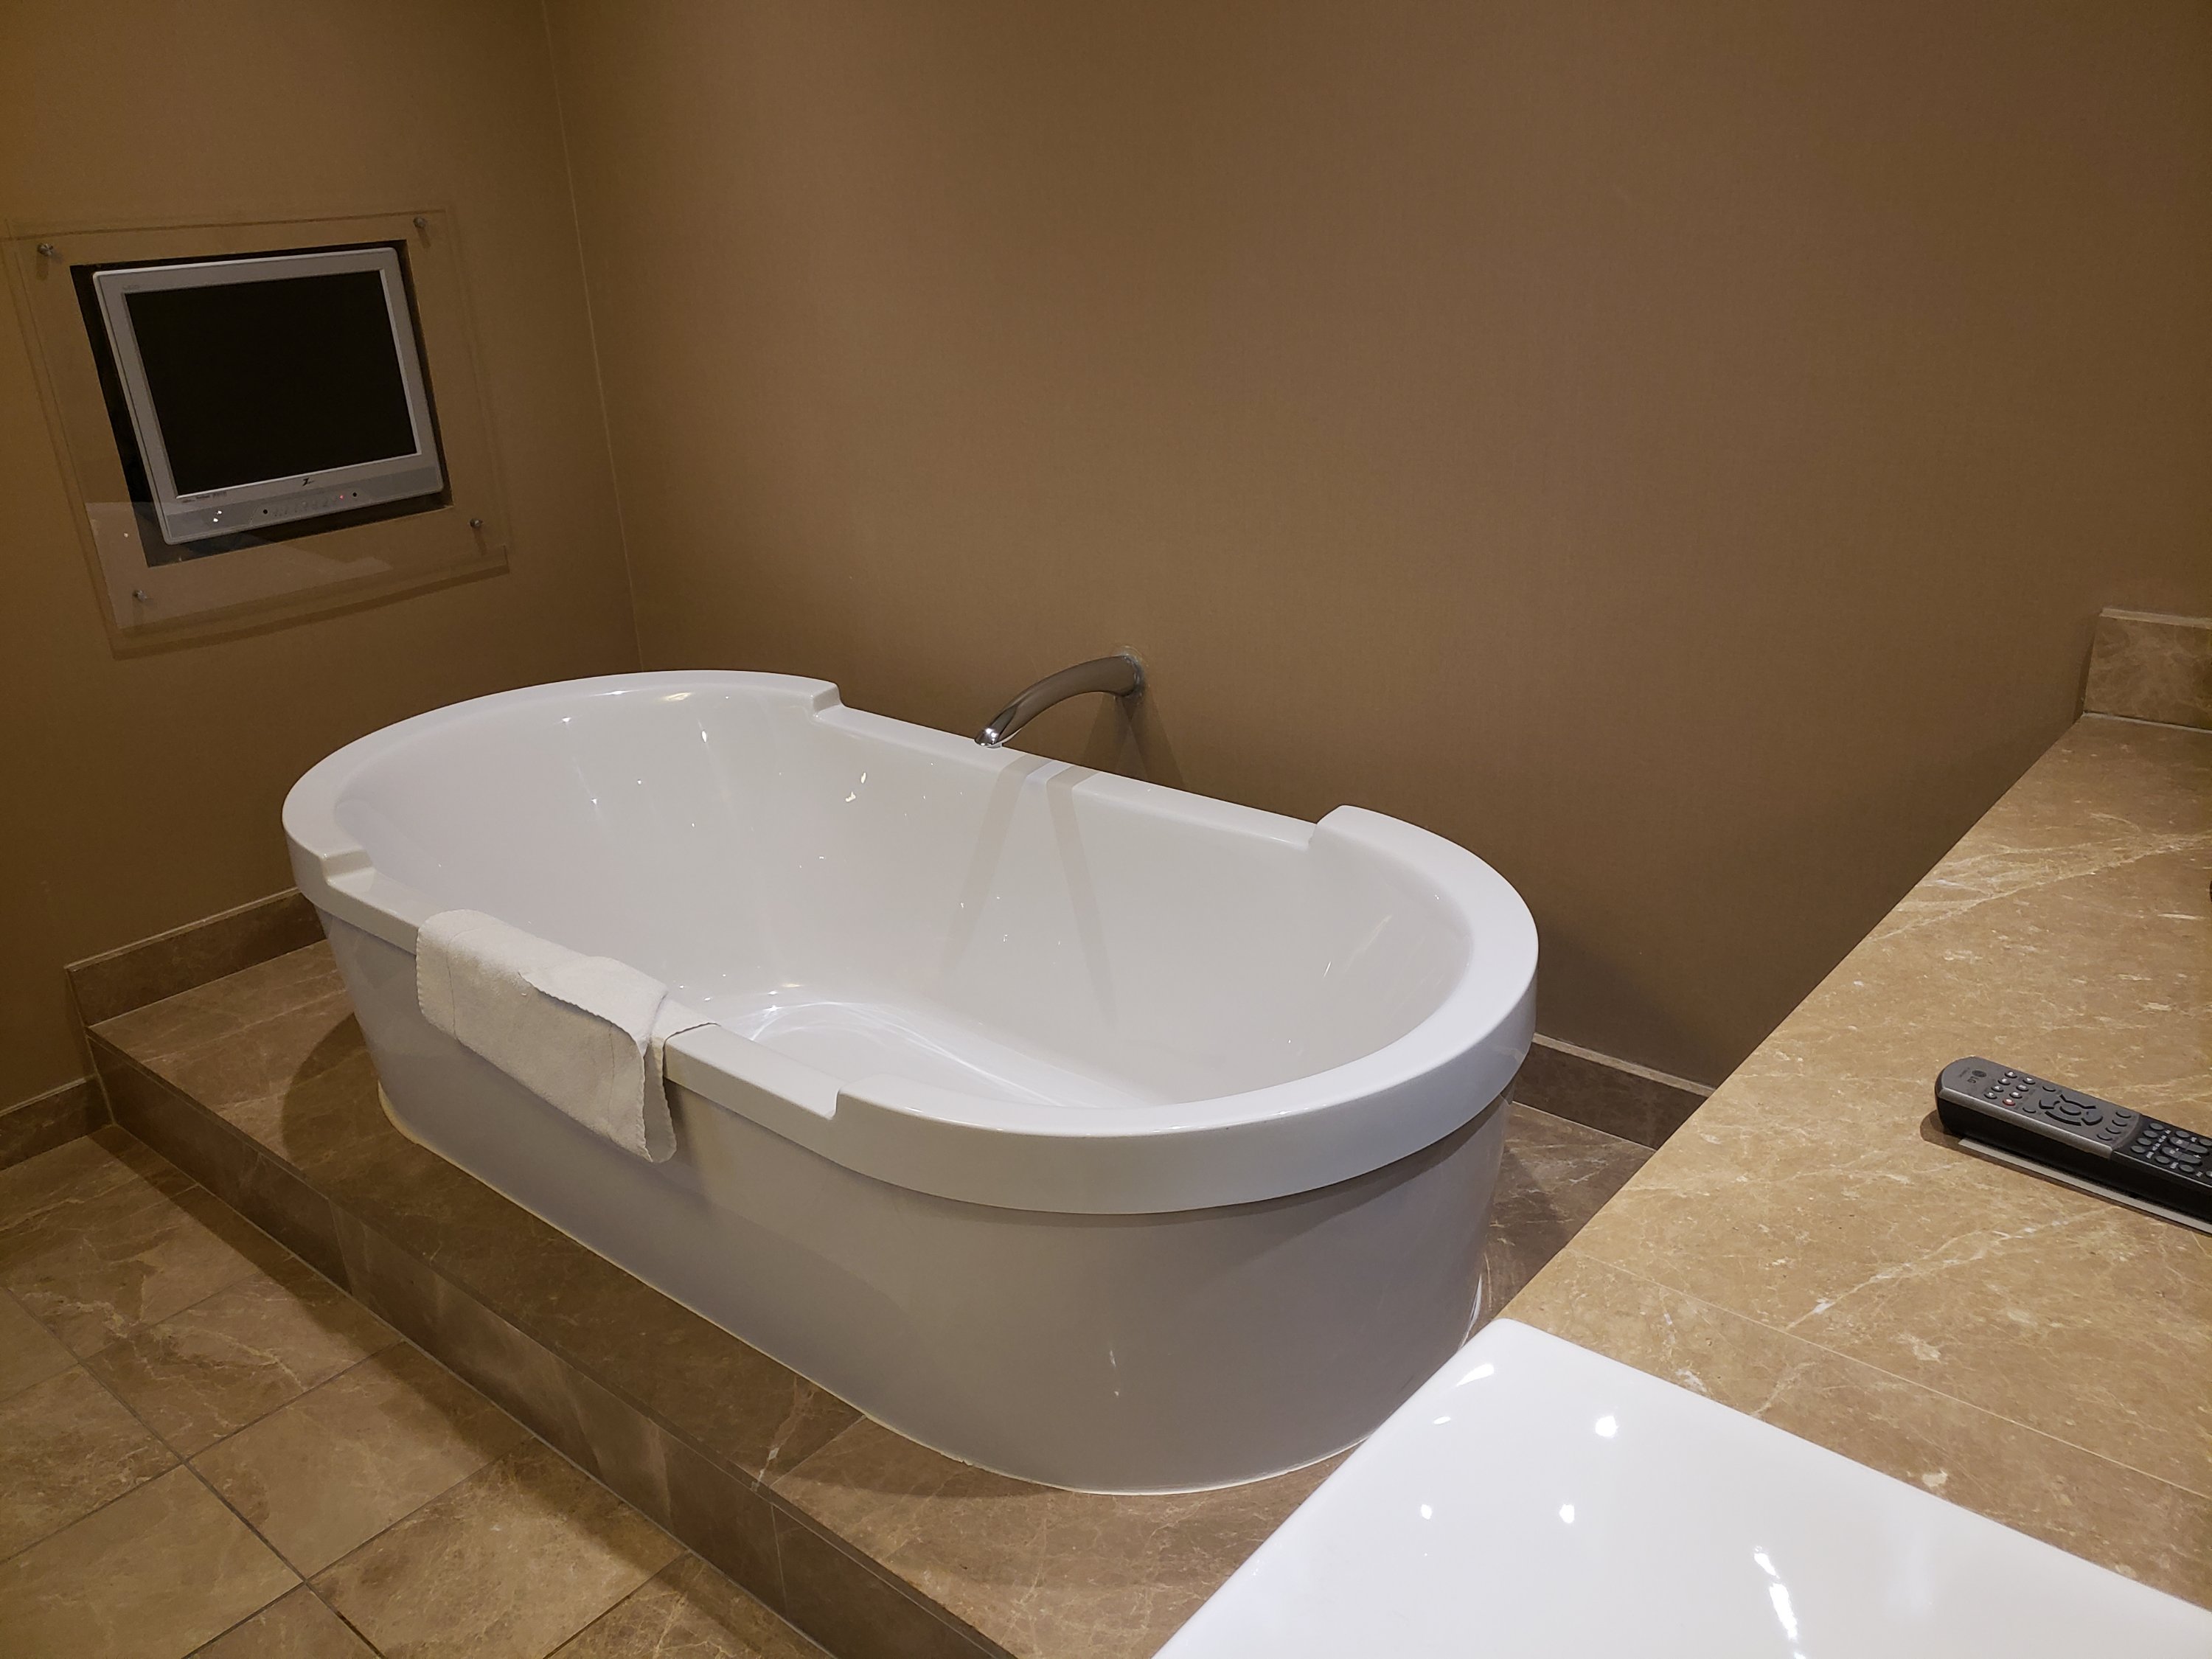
pixel 585 1034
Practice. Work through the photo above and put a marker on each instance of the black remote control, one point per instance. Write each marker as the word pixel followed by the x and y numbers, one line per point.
pixel 2105 1146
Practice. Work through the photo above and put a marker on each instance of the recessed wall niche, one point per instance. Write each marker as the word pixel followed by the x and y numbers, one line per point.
pixel 154 590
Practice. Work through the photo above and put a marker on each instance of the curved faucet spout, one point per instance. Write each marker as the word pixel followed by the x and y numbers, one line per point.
pixel 1120 676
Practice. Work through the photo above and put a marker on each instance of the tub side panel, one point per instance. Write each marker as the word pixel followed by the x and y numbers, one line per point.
pixel 1104 1353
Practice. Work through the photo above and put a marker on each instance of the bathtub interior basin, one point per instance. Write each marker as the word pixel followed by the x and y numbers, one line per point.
pixel 1098 1133
pixel 982 960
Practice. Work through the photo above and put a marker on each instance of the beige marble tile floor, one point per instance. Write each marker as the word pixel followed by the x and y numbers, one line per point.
pixel 206 1447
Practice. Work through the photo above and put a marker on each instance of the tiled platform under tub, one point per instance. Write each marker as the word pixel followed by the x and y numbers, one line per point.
pixel 208 1448
pixel 258 1085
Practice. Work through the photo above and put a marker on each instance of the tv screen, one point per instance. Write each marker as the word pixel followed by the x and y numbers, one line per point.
pixel 267 389
pixel 259 380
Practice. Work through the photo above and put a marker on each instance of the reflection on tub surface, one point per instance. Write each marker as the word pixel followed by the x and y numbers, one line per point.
pixel 1162 1124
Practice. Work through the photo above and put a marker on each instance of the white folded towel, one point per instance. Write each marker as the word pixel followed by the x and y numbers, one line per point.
pixel 585 1034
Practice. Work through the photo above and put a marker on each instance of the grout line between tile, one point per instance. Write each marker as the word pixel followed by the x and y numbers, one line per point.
pixel 751 1596
pixel 759 1483
pixel 1585 1129
pixel 307 1578
pixel 1883 1370
pixel 682 1547
pixel 235 1623
pixel 754 1480
pixel 189 1462
pixel 182 1462
pixel 23 1310
pixel 297 1579
pixel 179 1463
pixel 308 1584
pixel 193 1184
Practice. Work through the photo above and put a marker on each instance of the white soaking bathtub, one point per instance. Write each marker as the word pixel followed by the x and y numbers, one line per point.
pixel 1095 1133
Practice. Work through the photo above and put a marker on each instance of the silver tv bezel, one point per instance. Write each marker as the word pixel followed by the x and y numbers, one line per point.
pixel 266 503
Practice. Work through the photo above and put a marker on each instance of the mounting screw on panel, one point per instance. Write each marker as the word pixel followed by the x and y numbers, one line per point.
pixel 475 524
pixel 139 594
pixel 47 251
pixel 421 224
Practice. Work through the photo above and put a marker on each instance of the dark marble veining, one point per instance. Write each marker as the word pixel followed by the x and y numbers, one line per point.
pixel 505 1565
pixel 67 1448
pixel 239 1354
pixel 686 1612
pixel 318 1442
pixel 2147 668
pixel 153 1575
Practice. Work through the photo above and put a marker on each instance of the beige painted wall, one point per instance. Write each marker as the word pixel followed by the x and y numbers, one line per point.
pixel 143 793
pixel 1676 450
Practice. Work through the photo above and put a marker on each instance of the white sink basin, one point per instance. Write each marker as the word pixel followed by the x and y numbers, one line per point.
pixel 1534 1498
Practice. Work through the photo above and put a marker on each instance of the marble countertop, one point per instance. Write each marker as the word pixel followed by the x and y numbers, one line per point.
pixel 1812 1249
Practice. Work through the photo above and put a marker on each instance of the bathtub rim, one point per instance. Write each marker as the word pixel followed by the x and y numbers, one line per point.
pixel 1244 1147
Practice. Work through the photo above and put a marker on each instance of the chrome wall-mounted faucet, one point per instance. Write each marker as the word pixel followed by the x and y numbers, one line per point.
pixel 1120 676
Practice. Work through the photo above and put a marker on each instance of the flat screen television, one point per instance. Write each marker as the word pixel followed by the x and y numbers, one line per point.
pixel 272 388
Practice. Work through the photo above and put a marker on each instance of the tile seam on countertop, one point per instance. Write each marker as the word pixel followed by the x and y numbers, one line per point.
pixel 1848 1357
